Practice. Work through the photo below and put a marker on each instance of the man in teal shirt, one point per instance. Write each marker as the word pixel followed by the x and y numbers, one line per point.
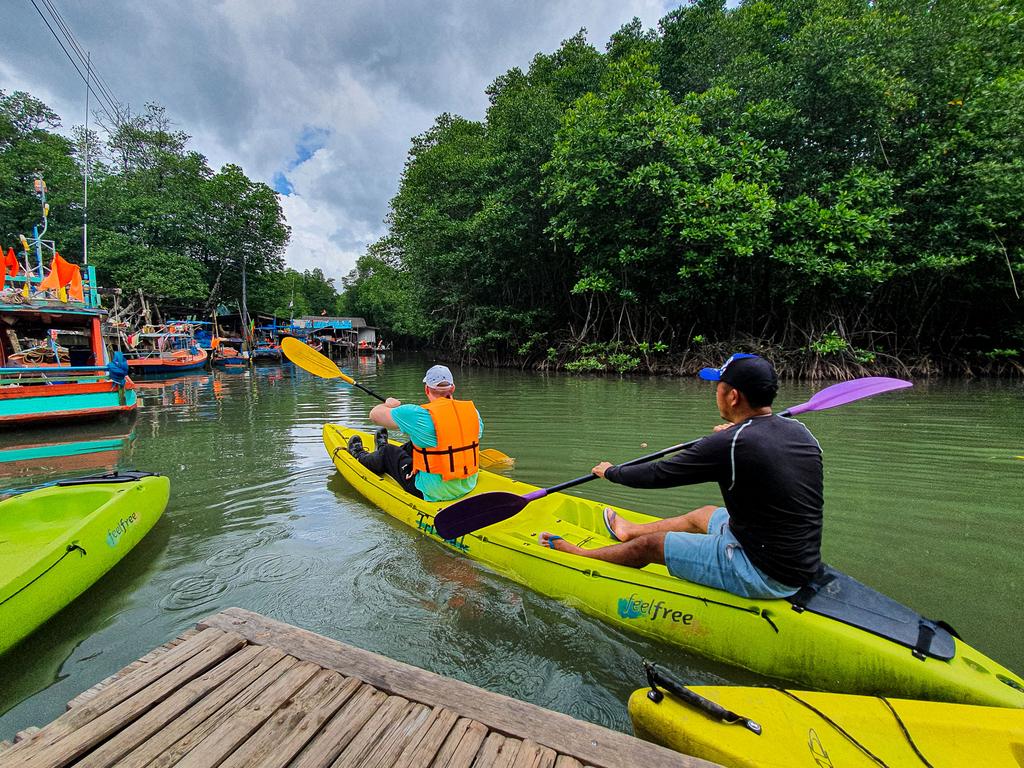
pixel 421 424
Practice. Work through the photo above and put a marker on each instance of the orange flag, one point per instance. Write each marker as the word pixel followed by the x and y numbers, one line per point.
pixel 11 266
pixel 61 273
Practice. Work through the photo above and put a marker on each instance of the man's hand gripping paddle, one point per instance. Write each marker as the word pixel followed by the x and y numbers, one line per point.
pixel 475 512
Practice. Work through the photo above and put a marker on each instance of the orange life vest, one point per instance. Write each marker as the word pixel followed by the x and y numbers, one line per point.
pixel 458 430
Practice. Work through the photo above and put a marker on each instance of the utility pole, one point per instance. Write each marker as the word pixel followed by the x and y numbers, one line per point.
pixel 85 206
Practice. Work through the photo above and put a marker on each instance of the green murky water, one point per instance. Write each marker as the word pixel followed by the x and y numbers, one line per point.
pixel 924 502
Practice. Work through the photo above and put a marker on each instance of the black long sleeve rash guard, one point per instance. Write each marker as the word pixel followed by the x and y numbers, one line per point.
pixel 769 470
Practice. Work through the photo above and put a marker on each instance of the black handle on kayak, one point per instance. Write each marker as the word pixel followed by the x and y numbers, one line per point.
pixel 657 675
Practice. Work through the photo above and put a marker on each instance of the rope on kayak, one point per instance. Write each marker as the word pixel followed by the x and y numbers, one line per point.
pixel 71 548
pixel 849 737
pixel 906 733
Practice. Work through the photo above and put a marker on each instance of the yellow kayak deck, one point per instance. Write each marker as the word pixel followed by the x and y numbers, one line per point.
pixel 817 730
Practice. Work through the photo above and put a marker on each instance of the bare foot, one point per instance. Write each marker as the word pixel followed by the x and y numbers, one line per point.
pixel 619 528
pixel 547 539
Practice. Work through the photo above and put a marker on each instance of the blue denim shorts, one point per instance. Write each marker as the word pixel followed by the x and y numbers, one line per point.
pixel 716 559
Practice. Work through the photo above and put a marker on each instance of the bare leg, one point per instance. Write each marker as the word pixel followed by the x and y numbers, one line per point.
pixel 637 553
pixel 692 522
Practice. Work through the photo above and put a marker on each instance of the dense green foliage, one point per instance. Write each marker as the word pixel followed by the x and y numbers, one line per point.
pixel 160 219
pixel 837 182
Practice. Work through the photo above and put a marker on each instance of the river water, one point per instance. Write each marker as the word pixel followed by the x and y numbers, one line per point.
pixel 923 502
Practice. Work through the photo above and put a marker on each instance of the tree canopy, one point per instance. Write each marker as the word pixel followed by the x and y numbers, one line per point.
pixel 837 181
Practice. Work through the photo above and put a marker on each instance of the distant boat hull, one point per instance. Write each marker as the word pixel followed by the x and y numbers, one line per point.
pixel 76 401
pixel 182 360
pixel 270 354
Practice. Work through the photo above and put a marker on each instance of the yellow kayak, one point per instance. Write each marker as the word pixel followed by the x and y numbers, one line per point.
pixel 821 643
pixel 791 729
pixel 56 541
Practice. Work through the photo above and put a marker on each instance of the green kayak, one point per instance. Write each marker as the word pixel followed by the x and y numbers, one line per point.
pixel 55 542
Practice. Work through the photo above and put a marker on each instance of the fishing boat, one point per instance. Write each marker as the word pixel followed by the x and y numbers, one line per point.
pixel 171 348
pixel 836 635
pixel 266 351
pixel 54 365
pixel 229 352
pixel 57 541
pixel 743 727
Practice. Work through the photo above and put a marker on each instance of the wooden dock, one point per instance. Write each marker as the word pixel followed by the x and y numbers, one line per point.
pixel 244 690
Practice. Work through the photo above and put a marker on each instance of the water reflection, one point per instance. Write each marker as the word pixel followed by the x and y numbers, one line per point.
pixel 40 455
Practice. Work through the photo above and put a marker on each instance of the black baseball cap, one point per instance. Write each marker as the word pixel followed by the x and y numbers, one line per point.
pixel 750 374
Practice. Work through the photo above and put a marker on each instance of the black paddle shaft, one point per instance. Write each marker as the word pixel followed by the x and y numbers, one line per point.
pixel 368 391
pixel 649 457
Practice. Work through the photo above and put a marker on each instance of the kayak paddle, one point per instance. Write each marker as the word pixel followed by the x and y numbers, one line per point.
pixel 308 359
pixel 475 512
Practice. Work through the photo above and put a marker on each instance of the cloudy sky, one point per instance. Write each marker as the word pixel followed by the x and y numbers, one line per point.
pixel 319 99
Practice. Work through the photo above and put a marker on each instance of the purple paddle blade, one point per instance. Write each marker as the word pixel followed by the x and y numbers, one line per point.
pixel 475 512
pixel 849 391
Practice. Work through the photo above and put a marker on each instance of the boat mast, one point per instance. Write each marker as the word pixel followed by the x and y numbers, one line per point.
pixel 245 312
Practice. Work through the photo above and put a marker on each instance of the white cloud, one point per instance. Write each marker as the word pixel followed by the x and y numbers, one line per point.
pixel 250 80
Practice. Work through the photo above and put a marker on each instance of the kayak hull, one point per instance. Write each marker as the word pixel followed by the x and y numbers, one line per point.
pixel 55 542
pixel 793 735
pixel 765 636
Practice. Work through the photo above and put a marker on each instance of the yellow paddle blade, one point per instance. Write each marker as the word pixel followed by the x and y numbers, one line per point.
pixel 308 359
pixel 492 457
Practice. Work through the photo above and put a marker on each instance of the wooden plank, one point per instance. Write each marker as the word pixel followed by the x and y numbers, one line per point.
pixel 394 742
pixel 75 744
pixel 175 741
pixel 160 650
pixel 226 737
pixel 341 729
pixel 114 695
pixel 565 761
pixel 265 741
pixel 592 744
pixel 423 746
pixel 507 755
pixel 294 742
pixel 487 755
pixel 463 751
pixel 164 713
pixel 532 755
pixel 390 713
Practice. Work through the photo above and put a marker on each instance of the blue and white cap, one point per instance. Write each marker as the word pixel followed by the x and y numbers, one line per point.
pixel 439 377
pixel 716 374
pixel 750 374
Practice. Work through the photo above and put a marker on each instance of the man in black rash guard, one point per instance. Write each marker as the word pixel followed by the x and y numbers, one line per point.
pixel 766 541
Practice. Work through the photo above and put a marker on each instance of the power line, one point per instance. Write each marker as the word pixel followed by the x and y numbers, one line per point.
pixel 107 102
pixel 82 55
